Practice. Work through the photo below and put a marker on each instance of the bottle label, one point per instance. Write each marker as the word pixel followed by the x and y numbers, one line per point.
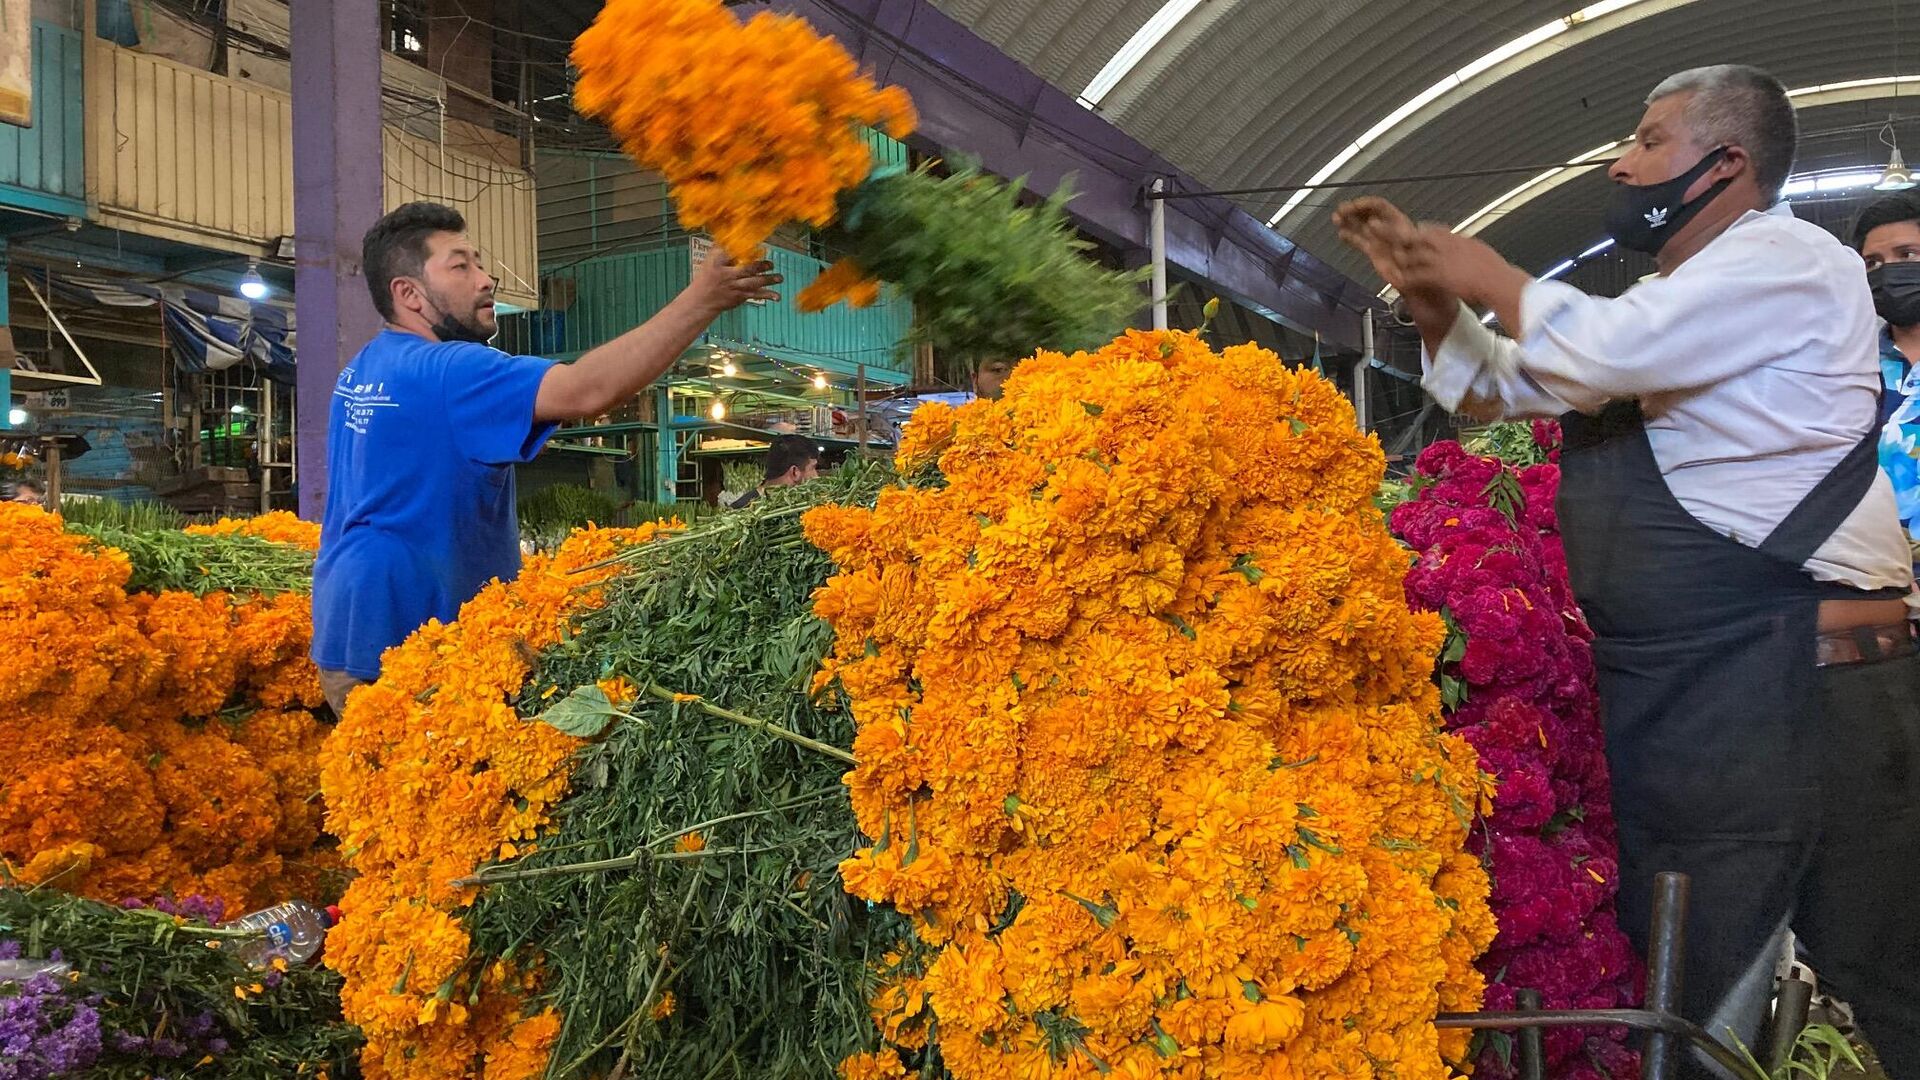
pixel 279 935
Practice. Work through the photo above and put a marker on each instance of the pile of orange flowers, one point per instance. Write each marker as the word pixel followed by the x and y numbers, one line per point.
pixel 158 744
pixel 753 124
pixel 431 774
pixel 280 526
pixel 1148 741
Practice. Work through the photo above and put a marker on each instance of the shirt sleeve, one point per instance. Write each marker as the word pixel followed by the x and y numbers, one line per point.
pixel 1477 373
pixel 489 400
pixel 1753 295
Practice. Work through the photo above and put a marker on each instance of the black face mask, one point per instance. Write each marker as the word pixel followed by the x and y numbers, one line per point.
pixel 1643 217
pixel 1896 292
pixel 447 328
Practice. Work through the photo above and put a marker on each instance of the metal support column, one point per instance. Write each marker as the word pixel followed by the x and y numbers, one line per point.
pixel 1666 970
pixel 1157 246
pixel 666 451
pixel 1362 372
pixel 337 195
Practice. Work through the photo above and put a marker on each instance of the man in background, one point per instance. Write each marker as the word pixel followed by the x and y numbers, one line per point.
pixel 427 422
pixel 1887 235
pixel 989 376
pixel 791 459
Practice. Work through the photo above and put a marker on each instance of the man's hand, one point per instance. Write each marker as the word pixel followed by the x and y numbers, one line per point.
pixel 621 368
pixel 1381 231
pixel 1434 259
pixel 720 284
pixel 1378 229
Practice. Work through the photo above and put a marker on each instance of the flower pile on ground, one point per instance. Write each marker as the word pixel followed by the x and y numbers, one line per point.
pixel 753 124
pixel 1518 680
pixel 137 991
pixel 279 526
pixel 160 743
pixel 430 774
pixel 1148 746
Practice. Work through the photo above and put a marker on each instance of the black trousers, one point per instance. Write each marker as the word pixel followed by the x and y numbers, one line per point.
pixel 1849 889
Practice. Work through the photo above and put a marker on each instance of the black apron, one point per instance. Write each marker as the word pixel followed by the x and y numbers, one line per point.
pixel 1708 687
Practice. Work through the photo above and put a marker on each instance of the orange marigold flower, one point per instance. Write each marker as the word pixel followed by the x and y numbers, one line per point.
pixel 1144 660
pixel 753 124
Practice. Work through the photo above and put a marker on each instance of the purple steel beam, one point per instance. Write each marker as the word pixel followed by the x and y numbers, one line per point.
pixel 974 99
pixel 337 195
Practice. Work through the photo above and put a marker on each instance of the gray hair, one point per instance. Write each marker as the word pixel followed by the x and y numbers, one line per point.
pixel 1738 105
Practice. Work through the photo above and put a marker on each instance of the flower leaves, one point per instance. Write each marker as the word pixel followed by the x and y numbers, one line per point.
pixel 584 714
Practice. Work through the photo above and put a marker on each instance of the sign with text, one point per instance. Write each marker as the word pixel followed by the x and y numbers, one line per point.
pixel 16 62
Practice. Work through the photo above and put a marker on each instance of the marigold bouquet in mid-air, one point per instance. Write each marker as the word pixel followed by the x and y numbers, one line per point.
pixel 754 124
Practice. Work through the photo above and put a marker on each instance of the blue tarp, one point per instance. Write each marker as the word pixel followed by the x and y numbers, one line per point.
pixel 205 331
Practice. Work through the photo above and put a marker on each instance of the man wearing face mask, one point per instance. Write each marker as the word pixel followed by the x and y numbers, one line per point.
pixel 426 425
pixel 1732 542
pixel 1887 236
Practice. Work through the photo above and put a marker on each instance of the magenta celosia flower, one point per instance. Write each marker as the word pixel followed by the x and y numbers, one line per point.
pixel 1532 713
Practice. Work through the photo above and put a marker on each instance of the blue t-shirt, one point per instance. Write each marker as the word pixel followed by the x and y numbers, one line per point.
pixel 422 437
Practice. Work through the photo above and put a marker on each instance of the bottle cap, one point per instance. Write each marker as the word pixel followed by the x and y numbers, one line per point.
pixel 333 914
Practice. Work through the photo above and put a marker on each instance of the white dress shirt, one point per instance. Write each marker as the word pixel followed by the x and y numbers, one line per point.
pixel 1756 365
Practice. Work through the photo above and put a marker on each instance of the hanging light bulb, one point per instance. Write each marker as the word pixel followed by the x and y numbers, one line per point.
pixel 1897 177
pixel 819 381
pixel 728 369
pixel 252 285
pixel 17 416
pixel 718 410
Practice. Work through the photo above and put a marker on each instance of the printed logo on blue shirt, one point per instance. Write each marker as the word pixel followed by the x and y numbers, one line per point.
pixel 361 400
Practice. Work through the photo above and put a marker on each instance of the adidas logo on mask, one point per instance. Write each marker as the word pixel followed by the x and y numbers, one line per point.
pixel 1656 217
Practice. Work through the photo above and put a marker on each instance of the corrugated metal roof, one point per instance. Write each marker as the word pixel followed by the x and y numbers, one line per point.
pixel 1263 92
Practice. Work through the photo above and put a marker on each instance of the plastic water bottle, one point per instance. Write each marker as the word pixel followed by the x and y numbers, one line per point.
pixel 22 971
pixel 294 931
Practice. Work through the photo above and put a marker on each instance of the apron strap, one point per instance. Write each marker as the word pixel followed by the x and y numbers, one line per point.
pixel 1830 503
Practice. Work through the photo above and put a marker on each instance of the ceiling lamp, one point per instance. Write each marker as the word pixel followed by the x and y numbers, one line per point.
pixel 1897 177
pixel 252 285
pixel 819 381
pixel 718 410
pixel 728 369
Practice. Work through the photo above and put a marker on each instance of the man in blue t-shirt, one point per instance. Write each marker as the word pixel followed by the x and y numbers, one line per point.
pixel 427 422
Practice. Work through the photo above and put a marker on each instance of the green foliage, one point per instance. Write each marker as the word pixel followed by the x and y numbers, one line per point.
pixel 767 957
pixel 154 973
pixel 989 277
pixel 169 559
pixel 743 475
pixel 1820 1053
pixel 1511 442
pixel 548 515
pixel 132 516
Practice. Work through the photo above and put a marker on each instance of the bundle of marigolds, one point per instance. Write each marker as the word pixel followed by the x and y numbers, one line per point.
pixel 1520 686
pixel 753 124
pixel 429 775
pixel 160 743
pixel 1148 744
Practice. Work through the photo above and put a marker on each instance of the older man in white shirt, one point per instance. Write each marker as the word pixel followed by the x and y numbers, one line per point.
pixel 1731 540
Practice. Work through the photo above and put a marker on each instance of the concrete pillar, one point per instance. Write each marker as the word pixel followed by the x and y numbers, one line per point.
pixel 6 353
pixel 337 195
